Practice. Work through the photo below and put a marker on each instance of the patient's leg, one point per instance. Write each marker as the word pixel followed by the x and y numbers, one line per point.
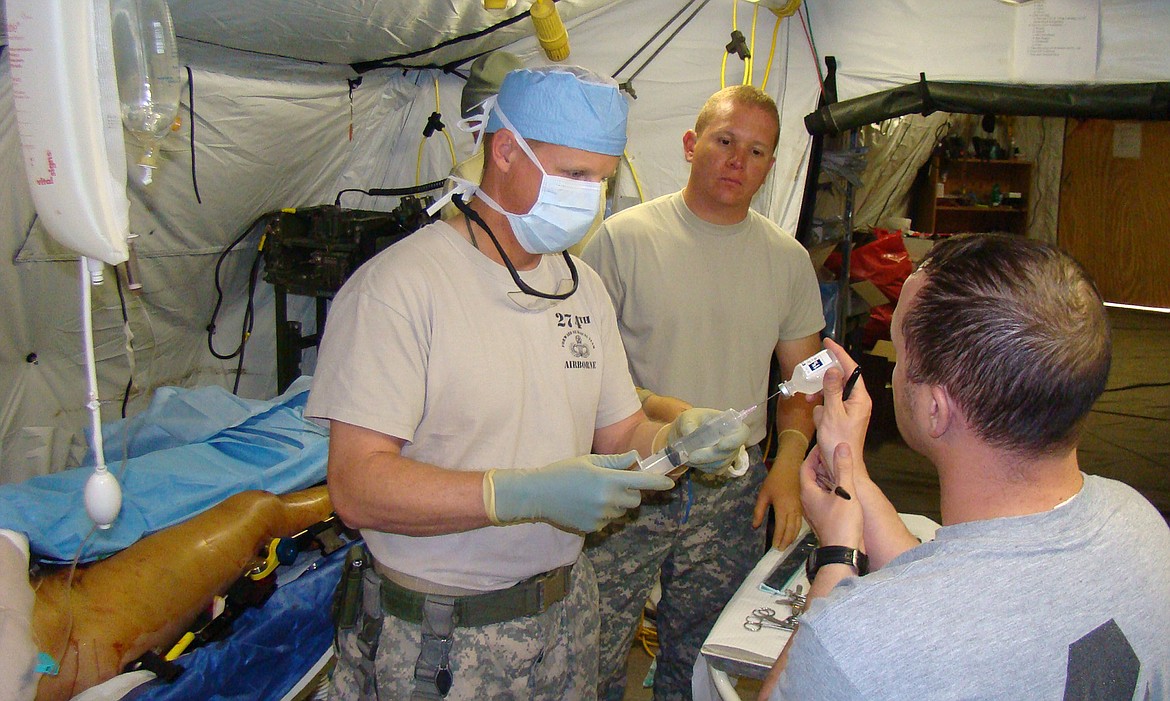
pixel 146 596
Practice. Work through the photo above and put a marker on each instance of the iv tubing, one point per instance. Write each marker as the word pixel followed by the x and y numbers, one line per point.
pixel 94 406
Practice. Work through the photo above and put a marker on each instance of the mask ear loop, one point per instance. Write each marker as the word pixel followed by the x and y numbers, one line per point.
pixel 524 287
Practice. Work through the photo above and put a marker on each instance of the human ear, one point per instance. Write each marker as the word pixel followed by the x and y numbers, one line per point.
pixel 503 149
pixel 941 410
pixel 689 140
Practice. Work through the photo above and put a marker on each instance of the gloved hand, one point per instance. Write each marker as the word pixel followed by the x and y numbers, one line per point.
pixel 580 494
pixel 714 458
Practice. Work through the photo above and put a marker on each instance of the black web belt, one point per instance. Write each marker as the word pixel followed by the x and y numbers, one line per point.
pixel 528 598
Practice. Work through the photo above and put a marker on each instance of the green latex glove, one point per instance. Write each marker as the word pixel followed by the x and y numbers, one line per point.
pixel 722 453
pixel 579 494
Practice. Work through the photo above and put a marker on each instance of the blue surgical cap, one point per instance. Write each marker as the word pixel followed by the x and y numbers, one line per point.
pixel 564 105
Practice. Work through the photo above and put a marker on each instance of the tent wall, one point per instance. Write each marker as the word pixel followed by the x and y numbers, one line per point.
pixel 271 133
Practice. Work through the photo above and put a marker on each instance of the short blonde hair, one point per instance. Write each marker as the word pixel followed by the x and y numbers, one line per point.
pixel 747 95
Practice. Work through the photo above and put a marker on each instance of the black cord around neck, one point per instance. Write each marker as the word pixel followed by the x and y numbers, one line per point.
pixel 471 214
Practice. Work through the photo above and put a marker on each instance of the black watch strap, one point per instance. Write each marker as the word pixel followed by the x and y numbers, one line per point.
pixel 835 555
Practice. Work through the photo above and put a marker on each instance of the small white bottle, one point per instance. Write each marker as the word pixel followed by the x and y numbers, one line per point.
pixel 809 375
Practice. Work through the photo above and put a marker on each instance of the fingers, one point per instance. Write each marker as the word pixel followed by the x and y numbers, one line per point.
pixel 633 481
pixel 621 461
pixel 787 527
pixel 761 511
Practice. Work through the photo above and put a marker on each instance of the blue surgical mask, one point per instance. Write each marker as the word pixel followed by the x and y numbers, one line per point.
pixel 562 214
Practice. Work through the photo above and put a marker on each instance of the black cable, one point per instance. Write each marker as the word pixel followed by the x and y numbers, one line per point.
pixel 1035 205
pixel 663 45
pixel 392 191
pixel 219 293
pixel 391 61
pixel 652 38
pixel 126 321
pixel 249 315
pixel 191 130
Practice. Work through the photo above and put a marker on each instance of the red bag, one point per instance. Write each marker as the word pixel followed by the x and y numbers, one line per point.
pixel 886 263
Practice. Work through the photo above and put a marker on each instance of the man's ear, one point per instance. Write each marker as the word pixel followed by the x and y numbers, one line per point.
pixel 502 149
pixel 690 138
pixel 942 411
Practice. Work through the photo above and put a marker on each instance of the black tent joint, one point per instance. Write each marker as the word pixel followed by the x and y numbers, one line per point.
pixel 738 45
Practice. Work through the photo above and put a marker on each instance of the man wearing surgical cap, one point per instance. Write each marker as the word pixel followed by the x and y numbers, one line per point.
pixel 483 417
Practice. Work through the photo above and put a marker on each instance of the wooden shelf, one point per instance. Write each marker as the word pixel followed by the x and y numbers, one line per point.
pixel 955 196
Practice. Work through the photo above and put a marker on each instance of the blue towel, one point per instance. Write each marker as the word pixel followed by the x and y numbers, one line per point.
pixel 190 450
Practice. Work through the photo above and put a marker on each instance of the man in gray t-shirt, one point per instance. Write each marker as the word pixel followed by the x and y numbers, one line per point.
pixel 1044 582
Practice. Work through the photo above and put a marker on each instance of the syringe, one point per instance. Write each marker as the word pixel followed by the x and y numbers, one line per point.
pixel 705 436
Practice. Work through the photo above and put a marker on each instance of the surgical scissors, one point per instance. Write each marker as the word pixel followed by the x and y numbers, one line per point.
pixel 765 617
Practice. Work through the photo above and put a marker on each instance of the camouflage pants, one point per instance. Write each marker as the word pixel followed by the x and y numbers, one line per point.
pixel 703 556
pixel 551 656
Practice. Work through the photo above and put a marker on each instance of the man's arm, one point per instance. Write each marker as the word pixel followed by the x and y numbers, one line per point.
pixel 794 428
pixel 836 521
pixel 373 486
pixel 846 421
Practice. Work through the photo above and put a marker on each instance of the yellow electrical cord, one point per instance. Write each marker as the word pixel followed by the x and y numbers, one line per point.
pixel 421 143
pixel 634 176
pixel 647 636
pixel 749 62
pixel 772 51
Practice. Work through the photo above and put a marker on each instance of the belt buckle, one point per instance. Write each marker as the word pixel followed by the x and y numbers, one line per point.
pixel 552 587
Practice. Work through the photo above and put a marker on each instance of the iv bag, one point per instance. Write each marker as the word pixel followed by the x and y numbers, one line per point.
pixel 146 61
pixel 71 143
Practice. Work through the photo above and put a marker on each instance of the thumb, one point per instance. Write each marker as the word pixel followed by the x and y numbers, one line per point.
pixel 843 465
pixel 620 461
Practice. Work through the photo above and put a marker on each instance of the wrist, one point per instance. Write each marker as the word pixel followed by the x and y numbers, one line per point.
pixel 840 555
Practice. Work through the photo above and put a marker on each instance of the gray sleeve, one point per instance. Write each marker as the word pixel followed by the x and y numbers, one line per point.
pixel 812 673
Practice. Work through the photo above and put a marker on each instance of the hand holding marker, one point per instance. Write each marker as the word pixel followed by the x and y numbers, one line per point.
pixel 823 480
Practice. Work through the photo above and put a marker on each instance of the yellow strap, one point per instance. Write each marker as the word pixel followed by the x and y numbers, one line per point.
pixel 270 563
pixel 183 644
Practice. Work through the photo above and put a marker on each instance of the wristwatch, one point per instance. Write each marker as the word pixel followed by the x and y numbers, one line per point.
pixel 835 555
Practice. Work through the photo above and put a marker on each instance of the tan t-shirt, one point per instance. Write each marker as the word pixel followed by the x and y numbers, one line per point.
pixel 423 343
pixel 701 306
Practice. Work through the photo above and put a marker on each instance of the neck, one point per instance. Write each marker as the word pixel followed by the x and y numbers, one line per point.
pixel 980 483
pixel 713 212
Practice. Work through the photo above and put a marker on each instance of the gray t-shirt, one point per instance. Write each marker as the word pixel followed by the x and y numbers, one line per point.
pixel 702 306
pixel 1072 603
